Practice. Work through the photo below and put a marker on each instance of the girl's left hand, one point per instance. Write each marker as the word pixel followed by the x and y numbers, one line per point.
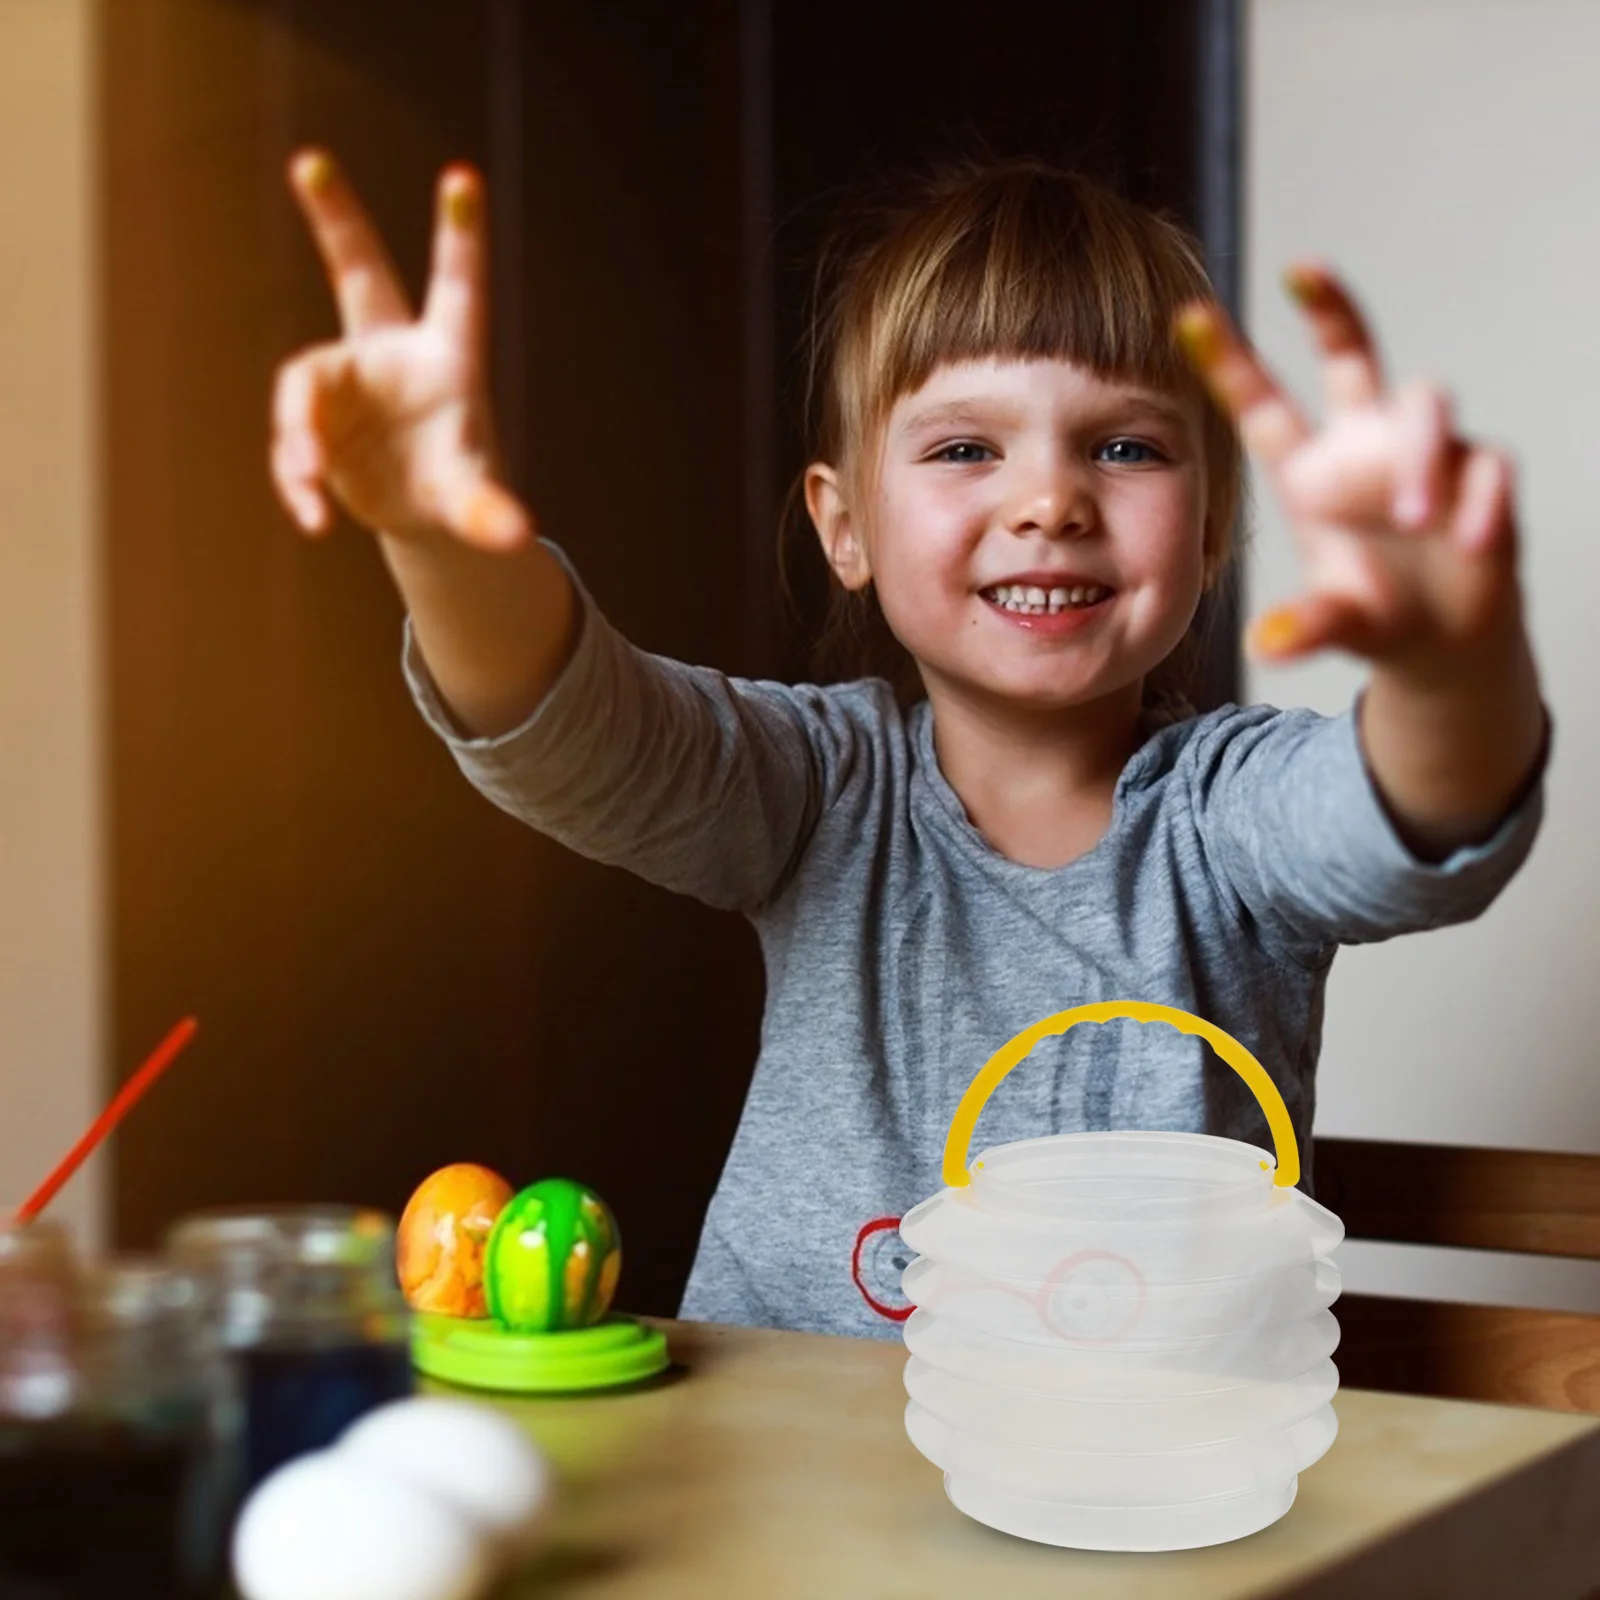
pixel 1408 531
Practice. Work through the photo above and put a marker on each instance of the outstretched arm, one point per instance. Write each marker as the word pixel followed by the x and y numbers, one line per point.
pixel 1409 537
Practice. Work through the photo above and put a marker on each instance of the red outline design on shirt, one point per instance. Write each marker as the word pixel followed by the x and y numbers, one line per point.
pixel 877 1225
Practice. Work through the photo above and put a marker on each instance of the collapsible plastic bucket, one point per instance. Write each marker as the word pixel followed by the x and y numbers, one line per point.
pixel 1122 1341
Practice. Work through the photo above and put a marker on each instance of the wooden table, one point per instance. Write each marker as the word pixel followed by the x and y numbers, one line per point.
pixel 776 1465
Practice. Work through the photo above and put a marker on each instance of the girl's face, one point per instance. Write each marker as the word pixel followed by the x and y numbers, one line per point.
pixel 1035 532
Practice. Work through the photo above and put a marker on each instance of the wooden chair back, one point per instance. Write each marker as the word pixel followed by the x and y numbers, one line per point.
pixel 1523 1201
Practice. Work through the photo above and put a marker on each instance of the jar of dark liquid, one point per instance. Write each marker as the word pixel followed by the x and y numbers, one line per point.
pixel 107 1442
pixel 304 1307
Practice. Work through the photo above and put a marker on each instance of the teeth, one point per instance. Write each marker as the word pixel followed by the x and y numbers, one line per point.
pixel 1031 600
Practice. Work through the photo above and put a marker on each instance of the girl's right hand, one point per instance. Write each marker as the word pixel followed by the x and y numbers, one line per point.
pixel 393 419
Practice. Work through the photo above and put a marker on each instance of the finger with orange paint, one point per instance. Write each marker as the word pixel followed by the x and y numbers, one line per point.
pixel 1301 628
pixel 393 421
pixel 1352 373
pixel 1269 422
pixel 363 277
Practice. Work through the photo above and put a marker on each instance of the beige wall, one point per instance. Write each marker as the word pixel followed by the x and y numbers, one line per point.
pixel 50 902
pixel 1444 151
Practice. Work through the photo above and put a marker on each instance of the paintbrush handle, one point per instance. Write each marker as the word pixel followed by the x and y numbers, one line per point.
pixel 122 1102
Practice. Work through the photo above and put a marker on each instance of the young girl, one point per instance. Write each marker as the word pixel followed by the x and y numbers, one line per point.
pixel 1016 464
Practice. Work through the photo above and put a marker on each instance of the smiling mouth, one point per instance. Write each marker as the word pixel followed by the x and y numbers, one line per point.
pixel 1027 600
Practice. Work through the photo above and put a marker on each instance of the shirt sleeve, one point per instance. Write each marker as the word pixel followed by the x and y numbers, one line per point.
pixel 1293 825
pixel 702 783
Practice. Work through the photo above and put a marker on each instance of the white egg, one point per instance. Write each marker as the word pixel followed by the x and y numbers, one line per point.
pixel 329 1527
pixel 475 1459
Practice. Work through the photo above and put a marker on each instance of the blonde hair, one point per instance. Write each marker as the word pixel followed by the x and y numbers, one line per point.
pixel 1014 260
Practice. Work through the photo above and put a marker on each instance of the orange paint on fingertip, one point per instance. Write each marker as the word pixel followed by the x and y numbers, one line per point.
pixel 1277 633
pixel 1307 284
pixel 1199 331
pixel 460 195
pixel 313 170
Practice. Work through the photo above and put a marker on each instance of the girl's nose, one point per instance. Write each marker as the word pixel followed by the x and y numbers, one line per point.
pixel 1056 505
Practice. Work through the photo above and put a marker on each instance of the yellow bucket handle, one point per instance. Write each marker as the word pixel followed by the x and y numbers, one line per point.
pixel 1225 1045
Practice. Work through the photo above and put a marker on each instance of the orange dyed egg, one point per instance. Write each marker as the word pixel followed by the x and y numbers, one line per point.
pixel 443 1231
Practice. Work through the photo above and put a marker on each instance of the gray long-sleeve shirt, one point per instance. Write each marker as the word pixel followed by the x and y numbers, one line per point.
pixel 902 950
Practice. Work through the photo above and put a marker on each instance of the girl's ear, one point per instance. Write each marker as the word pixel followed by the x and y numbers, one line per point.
pixel 836 528
pixel 1213 552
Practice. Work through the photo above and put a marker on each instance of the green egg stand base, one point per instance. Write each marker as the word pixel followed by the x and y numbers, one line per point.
pixel 484 1355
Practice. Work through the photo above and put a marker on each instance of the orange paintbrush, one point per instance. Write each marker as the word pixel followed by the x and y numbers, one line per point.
pixel 122 1102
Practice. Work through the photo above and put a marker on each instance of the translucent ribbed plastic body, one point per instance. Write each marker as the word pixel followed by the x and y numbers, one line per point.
pixel 1122 1341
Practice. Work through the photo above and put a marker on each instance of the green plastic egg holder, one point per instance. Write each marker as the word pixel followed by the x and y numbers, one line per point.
pixel 479 1353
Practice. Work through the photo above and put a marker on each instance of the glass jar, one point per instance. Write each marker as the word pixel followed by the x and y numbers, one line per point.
pixel 39 1377
pixel 304 1307
pixel 108 1443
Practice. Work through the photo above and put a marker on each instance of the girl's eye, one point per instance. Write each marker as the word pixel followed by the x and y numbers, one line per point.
pixel 964 452
pixel 1129 452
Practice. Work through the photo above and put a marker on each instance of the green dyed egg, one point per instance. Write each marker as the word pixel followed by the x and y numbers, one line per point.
pixel 553 1258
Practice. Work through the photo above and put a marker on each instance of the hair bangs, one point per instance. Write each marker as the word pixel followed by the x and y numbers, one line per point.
pixel 1019 263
